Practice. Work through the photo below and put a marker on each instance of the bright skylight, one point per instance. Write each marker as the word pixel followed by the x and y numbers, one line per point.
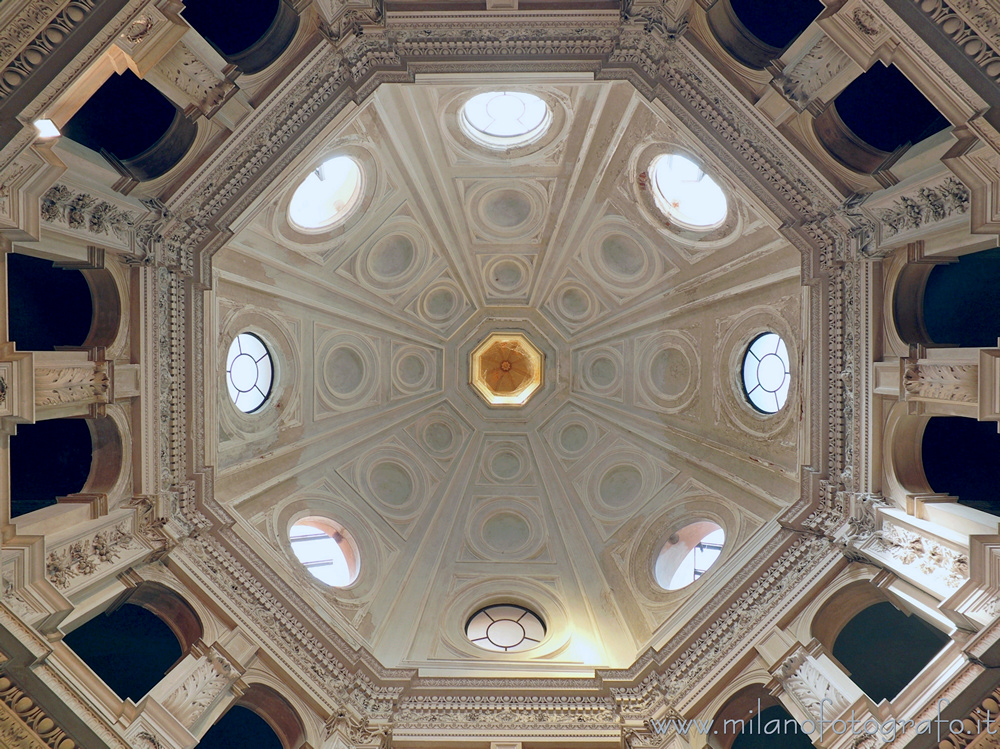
pixel 322 551
pixel 688 554
pixel 685 193
pixel 766 376
pixel 327 195
pixel 505 628
pixel 504 119
pixel 249 373
pixel 698 560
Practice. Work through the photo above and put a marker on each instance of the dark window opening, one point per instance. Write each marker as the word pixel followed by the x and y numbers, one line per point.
pixel 885 110
pixel 961 457
pixel 47 460
pixel 975 323
pixel 130 648
pixel 776 23
pixel 238 728
pixel 883 649
pixel 46 306
pixel 126 116
pixel 231 33
pixel 773 728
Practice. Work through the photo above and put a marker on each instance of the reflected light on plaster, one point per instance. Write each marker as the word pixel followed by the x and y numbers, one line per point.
pixel 47 129
pixel 585 651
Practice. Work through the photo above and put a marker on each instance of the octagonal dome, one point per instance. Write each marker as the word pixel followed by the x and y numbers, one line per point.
pixel 395 417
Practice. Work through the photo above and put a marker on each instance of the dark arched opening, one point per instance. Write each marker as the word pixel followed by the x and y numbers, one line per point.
pixel 253 38
pixel 961 457
pixel 975 279
pixel 46 306
pixel 754 718
pixel 232 730
pixel 47 460
pixel 130 648
pixel 883 649
pixel 772 728
pixel 262 713
pixel 862 127
pixel 139 130
pixel 758 31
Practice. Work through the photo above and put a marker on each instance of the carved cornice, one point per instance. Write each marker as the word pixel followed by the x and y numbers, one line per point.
pixel 45 42
pixel 24 725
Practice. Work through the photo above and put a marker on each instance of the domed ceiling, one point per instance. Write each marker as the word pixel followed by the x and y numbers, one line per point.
pixel 638 426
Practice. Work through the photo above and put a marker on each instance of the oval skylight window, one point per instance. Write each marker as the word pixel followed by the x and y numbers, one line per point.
pixel 688 554
pixel 685 194
pixel 505 628
pixel 326 550
pixel 766 376
pixel 249 372
pixel 504 119
pixel 327 195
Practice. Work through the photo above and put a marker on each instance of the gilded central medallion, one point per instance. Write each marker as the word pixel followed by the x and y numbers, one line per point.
pixel 506 369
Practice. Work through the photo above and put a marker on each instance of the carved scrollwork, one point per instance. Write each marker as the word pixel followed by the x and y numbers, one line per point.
pixel 809 686
pixel 927 205
pixel 945 382
pixel 927 555
pixel 87 556
pixel 200 689
pixel 81 211
pixel 62 385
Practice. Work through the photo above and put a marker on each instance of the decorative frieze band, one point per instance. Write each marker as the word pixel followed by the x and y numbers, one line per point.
pixel 24 725
pixel 44 44
pixel 90 555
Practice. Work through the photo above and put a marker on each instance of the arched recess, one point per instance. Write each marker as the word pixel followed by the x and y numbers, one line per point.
pixel 172 610
pixel 133 643
pixel 961 457
pixel 755 32
pixel 754 719
pixel 260 704
pixel 902 456
pixel 135 127
pixel 51 306
pixel 926 295
pixel 253 38
pixel 880 647
pixel 106 301
pixel 869 138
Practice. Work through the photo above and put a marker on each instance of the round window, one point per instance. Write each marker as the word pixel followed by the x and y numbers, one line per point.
pixel 326 550
pixel 505 119
pixel 688 554
pixel 505 628
pixel 766 376
pixel 327 195
pixel 249 372
pixel 685 194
